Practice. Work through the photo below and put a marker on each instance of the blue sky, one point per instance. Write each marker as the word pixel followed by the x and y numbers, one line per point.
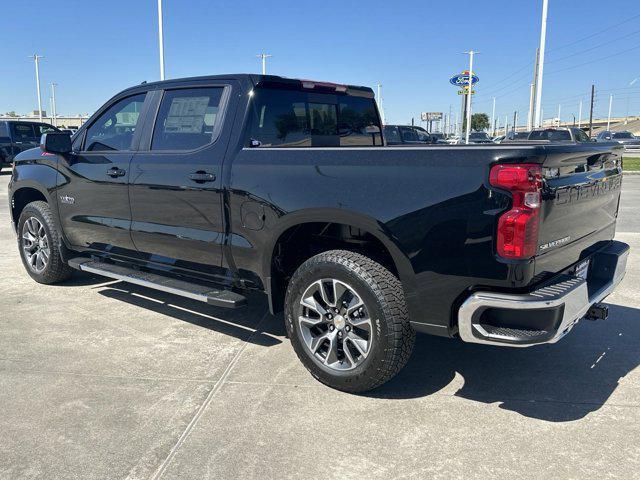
pixel 94 48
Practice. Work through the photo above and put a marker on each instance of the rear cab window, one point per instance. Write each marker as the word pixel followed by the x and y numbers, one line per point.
pixel 297 118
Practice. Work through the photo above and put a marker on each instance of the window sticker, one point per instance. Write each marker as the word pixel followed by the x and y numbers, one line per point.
pixel 186 115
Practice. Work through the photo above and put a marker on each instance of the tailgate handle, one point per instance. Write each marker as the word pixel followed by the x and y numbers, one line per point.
pixel 202 177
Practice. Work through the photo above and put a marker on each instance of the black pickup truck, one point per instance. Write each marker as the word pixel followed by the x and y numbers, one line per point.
pixel 213 186
pixel 17 136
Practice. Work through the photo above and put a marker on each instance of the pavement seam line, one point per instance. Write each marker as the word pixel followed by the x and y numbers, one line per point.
pixel 165 463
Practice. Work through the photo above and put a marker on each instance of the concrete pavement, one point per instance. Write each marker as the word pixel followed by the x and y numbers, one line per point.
pixel 107 380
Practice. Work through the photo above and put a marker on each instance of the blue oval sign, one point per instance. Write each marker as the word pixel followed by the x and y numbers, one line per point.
pixel 462 80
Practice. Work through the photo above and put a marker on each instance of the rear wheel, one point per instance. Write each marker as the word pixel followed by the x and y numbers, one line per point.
pixel 38 241
pixel 347 320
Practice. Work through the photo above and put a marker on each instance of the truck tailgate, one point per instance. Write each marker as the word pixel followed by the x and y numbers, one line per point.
pixel 580 199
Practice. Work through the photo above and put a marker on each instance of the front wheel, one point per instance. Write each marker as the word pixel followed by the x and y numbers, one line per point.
pixel 347 320
pixel 38 241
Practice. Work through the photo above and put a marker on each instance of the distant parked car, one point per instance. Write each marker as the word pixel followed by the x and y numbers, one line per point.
pixel 478 137
pixel 560 134
pixel 406 135
pixel 17 136
pixel 630 142
pixel 438 138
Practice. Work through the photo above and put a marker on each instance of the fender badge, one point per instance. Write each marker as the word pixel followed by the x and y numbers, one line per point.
pixel 67 199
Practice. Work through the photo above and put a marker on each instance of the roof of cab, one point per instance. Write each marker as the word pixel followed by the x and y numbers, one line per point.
pixel 256 80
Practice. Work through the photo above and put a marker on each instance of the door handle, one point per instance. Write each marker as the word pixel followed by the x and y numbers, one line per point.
pixel 202 177
pixel 115 172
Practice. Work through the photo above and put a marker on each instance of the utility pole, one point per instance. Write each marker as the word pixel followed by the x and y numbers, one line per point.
pixel 609 117
pixel 530 116
pixel 559 110
pixel 593 93
pixel 493 113
pixel 161 39
pixel 36 59
pixel 264 57
pixel 54 110
pixel 580 115
pixel 543 39
pixel 471 53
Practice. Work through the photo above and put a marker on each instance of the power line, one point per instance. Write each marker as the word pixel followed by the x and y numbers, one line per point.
pixel 595 34
pixel 594 47
pixel 595 60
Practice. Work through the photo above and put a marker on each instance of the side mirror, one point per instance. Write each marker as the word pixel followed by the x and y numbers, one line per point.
pixel 56 142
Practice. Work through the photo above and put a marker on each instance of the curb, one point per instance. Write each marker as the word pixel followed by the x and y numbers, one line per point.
pixel 631 173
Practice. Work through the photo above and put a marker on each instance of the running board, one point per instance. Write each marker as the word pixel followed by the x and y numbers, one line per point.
pixel 202 293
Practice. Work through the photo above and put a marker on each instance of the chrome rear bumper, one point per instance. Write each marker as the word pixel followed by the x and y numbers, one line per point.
pixel 496 318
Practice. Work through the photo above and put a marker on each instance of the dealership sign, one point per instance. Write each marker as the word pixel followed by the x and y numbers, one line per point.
pixel 430 116
pixel 462 80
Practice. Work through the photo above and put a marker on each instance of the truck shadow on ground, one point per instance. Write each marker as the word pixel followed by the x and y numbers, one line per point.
pixel 243 323
pixel 556 383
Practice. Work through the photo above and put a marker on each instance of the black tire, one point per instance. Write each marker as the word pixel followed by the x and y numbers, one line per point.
pixel 392 338
pixel 55 269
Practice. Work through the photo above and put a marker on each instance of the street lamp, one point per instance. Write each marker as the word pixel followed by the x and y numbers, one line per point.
pixel 161 39
pixel 264 57
pixel 36 59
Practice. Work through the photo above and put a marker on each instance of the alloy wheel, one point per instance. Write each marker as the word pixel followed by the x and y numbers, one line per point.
pixel 35 245
pixel 335 324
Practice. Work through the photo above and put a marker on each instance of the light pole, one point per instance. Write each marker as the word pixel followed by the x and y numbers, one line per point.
pixel 626 120
pixel 580 115
pixel 471 53
pixel 379 101
pixel 559 110
pixel 264 57
pixel 543 39
pixel 36 59
pixel 54 110
pixel 161 39
pixel 609 116
pixel 493 113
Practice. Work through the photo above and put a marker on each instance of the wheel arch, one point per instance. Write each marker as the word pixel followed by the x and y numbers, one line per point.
pixel 24 195
pixel 371 238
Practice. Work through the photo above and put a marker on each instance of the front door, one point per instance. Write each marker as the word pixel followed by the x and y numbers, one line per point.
pixel 93 196
pixel 176 201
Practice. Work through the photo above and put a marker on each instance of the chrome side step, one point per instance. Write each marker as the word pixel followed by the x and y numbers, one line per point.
pixel 202 293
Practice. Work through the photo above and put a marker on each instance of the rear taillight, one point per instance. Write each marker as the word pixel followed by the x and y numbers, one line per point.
pixel 517 236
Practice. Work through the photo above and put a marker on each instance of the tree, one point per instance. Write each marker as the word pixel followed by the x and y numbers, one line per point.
pixel 11 114
pixel 480 121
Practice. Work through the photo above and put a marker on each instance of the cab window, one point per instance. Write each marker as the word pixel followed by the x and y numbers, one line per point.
pixel 114 129
pixel 187 119
pixel 294 118
pixel 23 132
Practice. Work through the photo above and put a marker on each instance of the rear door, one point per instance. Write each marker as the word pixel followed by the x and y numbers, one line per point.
pixel 93 197
pixel 175 185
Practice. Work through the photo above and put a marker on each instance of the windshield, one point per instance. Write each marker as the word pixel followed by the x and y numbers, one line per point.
pixel 551 135
pixel 623 135
pixel 478 136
